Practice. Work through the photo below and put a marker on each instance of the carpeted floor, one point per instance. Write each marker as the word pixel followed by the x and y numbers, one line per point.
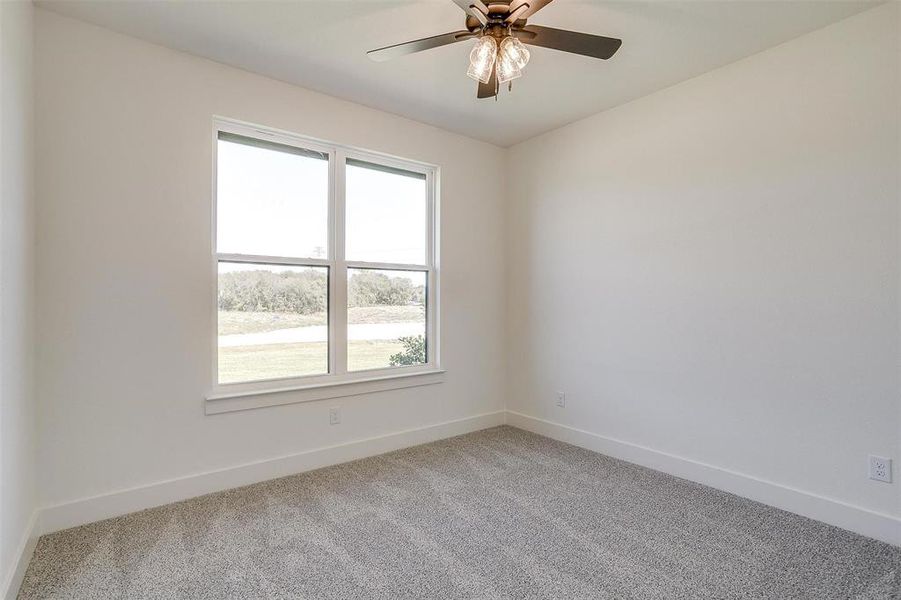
pixel 496 514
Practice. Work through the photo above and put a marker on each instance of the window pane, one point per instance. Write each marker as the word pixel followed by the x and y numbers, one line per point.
pixel 386 318
pixel 386 214
pixel 271 200
pixel 273 321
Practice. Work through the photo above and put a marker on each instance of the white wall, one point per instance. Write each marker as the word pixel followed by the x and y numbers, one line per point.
pixel 712 271
pixel 17 413
pixel 124 285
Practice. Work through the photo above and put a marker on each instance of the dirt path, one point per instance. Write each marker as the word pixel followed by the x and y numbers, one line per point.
pixel 319 333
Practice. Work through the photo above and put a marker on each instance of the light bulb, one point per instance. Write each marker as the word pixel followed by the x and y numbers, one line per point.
pixel 507 69
pixel 516 51
pixel 481 59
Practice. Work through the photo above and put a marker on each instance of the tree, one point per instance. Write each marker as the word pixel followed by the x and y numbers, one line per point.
pixel 371 288
pixel 303 292
pixel 306 291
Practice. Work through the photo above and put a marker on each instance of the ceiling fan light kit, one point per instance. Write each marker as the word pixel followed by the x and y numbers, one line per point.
pixel 497 49
pixel 482 59
pixel 511 59
pixel 507 71
pixel 502 32
pixel 516 51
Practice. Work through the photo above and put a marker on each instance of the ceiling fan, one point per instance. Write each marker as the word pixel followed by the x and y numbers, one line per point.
pixel 502 31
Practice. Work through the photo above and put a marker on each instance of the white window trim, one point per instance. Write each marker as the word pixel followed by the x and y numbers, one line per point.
pixel 339 382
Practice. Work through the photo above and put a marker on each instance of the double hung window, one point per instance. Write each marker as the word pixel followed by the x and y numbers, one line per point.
pixel 325 259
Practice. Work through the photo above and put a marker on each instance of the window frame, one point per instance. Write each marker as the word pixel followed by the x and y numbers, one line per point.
pixel 337 266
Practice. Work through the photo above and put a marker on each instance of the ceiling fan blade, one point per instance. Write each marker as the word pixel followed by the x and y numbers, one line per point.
pixel 532 7
pixel 488 90
pixel 585 44
pixel 389 52
pixel 474 8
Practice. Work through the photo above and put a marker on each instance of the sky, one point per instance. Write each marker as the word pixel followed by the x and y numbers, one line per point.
pixel 276 204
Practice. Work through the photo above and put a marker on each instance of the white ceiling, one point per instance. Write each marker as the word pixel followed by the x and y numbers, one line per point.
pixel 321 45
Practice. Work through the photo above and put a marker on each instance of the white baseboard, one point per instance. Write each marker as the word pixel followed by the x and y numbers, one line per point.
pixel 13 579
pixel 114 504
pixel 828 510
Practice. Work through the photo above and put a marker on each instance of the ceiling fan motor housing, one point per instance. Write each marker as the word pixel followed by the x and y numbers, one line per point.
pixel 497 18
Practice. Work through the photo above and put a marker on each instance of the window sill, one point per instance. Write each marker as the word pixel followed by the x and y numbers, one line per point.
pixel 260 398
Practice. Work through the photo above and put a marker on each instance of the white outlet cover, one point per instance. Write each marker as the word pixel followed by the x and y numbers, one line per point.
pixel 561 399
pixel 881 469
pixel 334 416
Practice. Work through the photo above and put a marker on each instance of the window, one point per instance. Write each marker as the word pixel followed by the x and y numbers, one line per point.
pixel 325 261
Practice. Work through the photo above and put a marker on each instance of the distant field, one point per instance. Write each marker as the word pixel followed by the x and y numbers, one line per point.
pixel 233 322
pixel 245 363
pixel 271 361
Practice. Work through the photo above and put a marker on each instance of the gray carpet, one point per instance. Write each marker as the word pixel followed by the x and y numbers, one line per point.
pixel 496 514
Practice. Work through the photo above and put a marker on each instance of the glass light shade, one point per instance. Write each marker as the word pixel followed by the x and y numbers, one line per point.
pixel 481 59
pixel 515 51
pixel 507 69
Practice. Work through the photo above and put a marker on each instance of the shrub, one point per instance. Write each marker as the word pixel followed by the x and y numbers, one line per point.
pixel 413 353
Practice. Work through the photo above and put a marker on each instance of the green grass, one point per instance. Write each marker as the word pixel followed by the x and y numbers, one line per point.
pixel 371 354
pixel 272 361
pixel 233 322
pixel 359 315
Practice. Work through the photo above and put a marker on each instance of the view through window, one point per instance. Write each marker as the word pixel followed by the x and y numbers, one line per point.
pixel 291 302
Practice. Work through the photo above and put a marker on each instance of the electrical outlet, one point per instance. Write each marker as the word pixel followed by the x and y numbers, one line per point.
pixel 881 468
pixel 334 415
pixel 561 399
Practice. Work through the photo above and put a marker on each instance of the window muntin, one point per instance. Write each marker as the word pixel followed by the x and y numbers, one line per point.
pixel 376 210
